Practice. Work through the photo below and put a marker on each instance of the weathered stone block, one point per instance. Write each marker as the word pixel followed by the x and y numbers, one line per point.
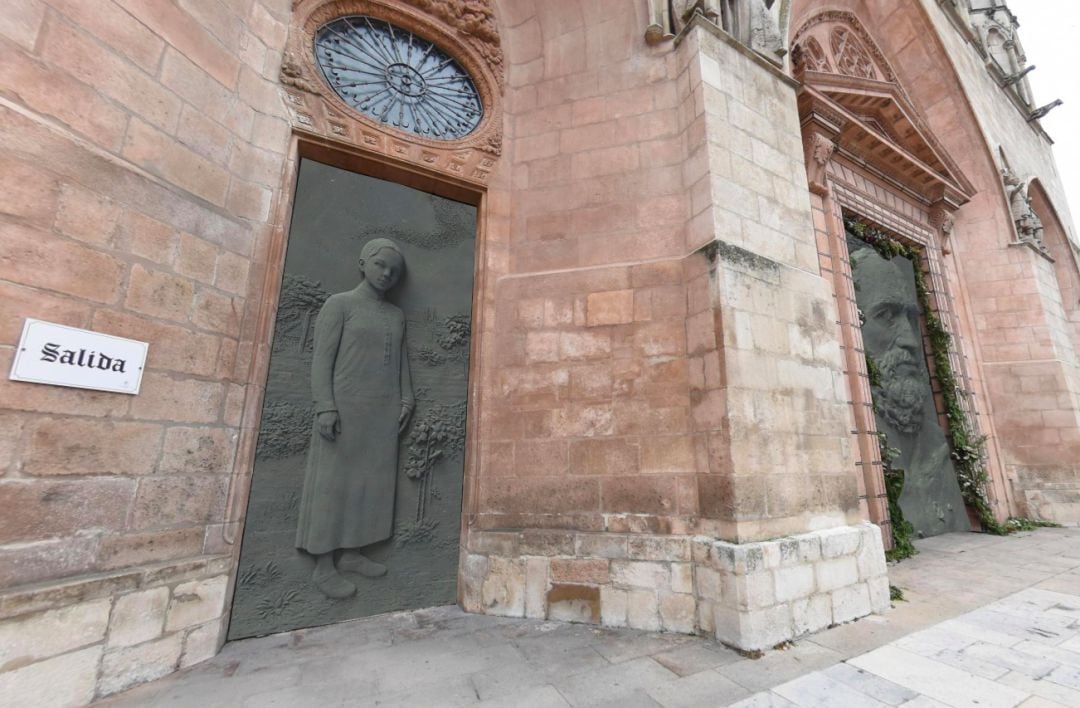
pixel 609 308
pixel 678 612
pixel 707 582
pixel 658 548
pixel 536 585
pixel 614 604
pixel 572 570
pixel 794 582
pixel 880 597
pixel 127 667
pixel 62 446
pixel 642 610
pixel 810 614
pixel 682 577
pixel 200 644
pixel 706 617
pixel 640 574
pixel 546 542
pixel 138 617
pixel 67 680
pixel 836 573
pixel 198 451
pixel 48 634
pixel 871 556
pixel 503 590
pixel 474 570
pixel 495 543
pixel 754 591
pixel 120 551
pixel 790 552
pixel 574 603
pixel 42 509
pixel 809 548
pixel 196 602
pixel 850 602
pixel 840 542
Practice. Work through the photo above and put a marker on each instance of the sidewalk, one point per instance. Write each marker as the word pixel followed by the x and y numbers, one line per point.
pixel 988 621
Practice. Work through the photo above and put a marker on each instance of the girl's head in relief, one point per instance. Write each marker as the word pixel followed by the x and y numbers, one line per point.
pixel 381 264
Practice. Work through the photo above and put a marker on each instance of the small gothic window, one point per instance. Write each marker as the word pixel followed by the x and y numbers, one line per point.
pixel 397 78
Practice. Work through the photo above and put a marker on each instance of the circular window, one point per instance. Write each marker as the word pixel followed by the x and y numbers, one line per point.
pixel 392 76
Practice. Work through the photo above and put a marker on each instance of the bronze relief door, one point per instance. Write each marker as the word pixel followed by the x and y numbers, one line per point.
pixel 355 502
pixel 902 392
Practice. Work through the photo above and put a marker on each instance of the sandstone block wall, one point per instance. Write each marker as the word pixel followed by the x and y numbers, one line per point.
pixel 143 152
pixel 751 595
pixel 761 594
pixel 1028 339
pixel 583 405
pixel 777 416
pixel 662 354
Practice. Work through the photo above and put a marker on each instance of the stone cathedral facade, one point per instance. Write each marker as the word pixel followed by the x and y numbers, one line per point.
pixel 706 306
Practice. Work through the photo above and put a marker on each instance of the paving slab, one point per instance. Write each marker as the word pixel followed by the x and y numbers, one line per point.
pixel 988 621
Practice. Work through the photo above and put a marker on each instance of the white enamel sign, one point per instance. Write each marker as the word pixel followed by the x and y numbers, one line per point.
pixel 67 356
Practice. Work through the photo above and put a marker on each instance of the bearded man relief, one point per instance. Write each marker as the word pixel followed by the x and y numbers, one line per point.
pixel 904 407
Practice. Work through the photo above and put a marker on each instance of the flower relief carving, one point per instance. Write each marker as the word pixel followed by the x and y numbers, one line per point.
pixel 851 58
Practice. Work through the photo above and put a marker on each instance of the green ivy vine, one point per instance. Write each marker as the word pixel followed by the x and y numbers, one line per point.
pixel 903 533
pixel 968 448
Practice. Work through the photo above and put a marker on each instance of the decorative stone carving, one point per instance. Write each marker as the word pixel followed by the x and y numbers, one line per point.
pixel 474 20
pixel 752 22
pixel 765 36
pixel 685 9
pixel 851 58
pixel 823 149
pixel 464 29
pixel 660 23
pixel 1029 228
pixel 292 74
pixel 812 57
pixel 819 150
pixel 942 217
pixel 862 57
pixel 1040 113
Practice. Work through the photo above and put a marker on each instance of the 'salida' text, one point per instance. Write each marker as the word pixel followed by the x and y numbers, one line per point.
pixel 52 353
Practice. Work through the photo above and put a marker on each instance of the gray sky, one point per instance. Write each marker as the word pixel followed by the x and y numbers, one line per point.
pixel 1050 33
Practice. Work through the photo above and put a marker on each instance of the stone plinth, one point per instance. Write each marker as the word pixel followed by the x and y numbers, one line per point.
pixel 752 596
pixel 765 593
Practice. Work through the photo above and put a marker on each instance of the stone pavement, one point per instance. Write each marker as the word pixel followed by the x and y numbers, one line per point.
pixel 988 621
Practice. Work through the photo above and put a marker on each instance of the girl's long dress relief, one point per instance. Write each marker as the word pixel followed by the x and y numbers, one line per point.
pixel 360 369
